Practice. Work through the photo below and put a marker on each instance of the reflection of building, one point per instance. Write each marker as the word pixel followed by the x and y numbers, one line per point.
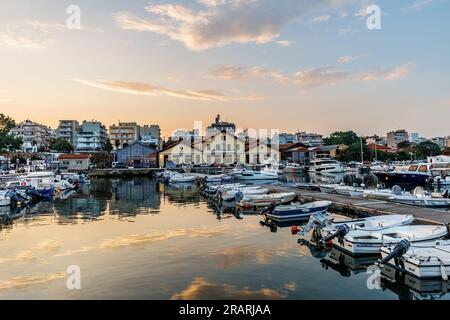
pixel 36 137
pixel 67 130
pixel 134 196
pixel 74 162
pixel 92 137
pixel 138 155
pixel 395 137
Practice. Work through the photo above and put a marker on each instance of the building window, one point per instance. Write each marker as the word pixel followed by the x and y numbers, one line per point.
pixel 218 147
pixel 238 147
pixel 228 147
pixel 208 147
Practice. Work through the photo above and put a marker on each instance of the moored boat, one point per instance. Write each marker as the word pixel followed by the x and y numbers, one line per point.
pixel 249 201
pixel 358 242
pixel 296 211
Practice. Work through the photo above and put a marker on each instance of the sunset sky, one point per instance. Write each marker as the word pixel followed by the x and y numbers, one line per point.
pixel 285 64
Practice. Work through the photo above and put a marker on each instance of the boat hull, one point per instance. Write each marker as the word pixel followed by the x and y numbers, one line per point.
pixel 392 178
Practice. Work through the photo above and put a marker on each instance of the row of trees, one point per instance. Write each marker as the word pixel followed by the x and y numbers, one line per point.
pixel 406 150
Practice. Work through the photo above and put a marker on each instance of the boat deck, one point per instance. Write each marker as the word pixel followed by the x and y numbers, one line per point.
pixel 367 207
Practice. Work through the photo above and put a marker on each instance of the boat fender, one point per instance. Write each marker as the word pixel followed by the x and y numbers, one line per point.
pixel 295 230
pixel 398 251
pixel 443 271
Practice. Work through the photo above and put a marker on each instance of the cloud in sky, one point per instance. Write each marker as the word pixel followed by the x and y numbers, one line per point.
pixel 222 22
pixel 322 18
pixel 395 73
pixel 139 88
pixel 347 59
pixel 284 43
pixel 308 78
pixel 418 5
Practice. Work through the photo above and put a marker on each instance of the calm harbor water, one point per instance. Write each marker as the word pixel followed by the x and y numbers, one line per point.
pixel 139 239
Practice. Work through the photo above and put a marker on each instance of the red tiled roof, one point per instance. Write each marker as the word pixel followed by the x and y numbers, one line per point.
pixel 73 156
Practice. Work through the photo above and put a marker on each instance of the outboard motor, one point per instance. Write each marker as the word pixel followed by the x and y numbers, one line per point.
pixel 239 196
pixel 341 232
pixel 399 250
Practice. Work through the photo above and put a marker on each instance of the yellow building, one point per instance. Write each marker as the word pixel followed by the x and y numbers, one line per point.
pixel 222 148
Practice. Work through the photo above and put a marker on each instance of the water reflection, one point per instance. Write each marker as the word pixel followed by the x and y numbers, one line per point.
pixel 179 246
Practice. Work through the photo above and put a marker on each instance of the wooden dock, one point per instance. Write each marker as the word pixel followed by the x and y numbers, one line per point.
pixel 367 207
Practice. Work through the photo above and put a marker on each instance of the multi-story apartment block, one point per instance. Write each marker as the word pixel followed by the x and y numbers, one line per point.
pixel 36 137
pixel 92 137
pixel 123 134
pixel 67 130
pixel 395 137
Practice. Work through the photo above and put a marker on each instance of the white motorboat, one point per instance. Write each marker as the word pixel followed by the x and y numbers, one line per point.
pixel 343 190
pixel 296 211
pixel 421 199
pixel 250 201
pixel 293 168
pixel 384 194
pixel 370 242
pixel 5 200
pixel 328 188
pixel 441 181
pixel 422 260
pixel 326 165
pixel 249 175
pixel 324 225
pixel 230 195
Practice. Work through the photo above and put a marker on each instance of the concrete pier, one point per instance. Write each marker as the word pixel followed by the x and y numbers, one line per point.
pixel 368 207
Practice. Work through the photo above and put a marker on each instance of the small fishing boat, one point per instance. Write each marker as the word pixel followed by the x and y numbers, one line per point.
pixel 250 201
pixel 422 260
pixel 296 211
pixel 325 227
pixel 250 175
pixel 358 242
pixel 422 199
pixel 355 192
pixel 384 194
pixel 328 188
pixel 230 195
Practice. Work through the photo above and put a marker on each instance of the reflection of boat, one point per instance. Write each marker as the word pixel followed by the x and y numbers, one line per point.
pixel 355 264
pixel 297 211
pixel 420 289
pixel 182 178
pixel 370 242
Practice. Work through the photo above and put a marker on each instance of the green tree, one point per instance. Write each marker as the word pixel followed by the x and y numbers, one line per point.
pixel 404 145
pixel 108 146
pixel 342 137
pixel 353 153
pixel 61 145
pixel 6 140
pixel 427 149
